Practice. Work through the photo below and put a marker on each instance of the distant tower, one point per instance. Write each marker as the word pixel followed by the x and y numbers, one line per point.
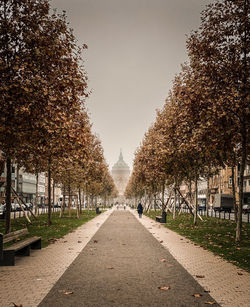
pixel 120 173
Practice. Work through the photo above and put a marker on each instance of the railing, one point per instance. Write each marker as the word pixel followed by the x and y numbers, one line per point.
pixel 18 214
pixel 221 214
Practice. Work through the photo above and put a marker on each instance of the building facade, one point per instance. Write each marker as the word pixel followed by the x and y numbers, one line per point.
pixel 120 173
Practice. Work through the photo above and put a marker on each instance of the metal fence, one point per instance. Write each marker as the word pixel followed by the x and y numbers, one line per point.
pixel 221 214
pixel 18 214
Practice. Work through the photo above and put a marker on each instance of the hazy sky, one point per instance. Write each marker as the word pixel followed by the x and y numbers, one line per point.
pixel 135 48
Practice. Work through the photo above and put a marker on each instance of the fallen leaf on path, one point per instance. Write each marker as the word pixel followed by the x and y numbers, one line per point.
pixel 239 273
pixel 110 268
pixel 210 303
pixel 65 292
pixel 164 288
pixel 95 241
pixel 15 305
pixel 197 295
pixel 200 276
pixel 163 260
pixel 161 241
pixel 79 241
pixel 170 265
pixel 70 248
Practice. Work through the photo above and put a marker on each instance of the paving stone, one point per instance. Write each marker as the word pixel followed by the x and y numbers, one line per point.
pixel 221 276
pixel 48 264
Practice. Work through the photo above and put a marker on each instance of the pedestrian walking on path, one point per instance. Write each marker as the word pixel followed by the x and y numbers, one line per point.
pixel 140 210
pixel 124 265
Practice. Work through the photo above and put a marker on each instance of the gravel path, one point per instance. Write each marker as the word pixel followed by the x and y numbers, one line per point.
pixel 124 265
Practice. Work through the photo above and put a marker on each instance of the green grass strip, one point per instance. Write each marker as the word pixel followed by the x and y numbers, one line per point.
pixel 59 228
pixel 216 235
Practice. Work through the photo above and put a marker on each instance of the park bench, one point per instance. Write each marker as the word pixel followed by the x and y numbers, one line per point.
pixel 98 211
pixel 162 218
pixel 18 247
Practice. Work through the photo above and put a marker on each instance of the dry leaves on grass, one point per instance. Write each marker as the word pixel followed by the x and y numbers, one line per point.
pixel 164 288
pixel 52 240
pixel 239 273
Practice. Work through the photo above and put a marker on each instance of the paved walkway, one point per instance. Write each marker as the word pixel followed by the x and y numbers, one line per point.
pixel 122 264
pixel 226 283
pixel 32 277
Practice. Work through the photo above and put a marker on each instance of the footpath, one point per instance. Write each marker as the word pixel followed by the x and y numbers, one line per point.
pixel 123 265
pixel 118 259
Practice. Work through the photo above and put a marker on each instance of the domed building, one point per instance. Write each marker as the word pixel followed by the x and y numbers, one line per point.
pixel 120 174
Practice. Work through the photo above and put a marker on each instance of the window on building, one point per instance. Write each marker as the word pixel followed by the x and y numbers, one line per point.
pixel 230 180
pixel 244 183
pixel 13 169
pixel 249 182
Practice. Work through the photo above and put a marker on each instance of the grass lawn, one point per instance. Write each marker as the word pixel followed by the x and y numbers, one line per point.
pixel 214 234
pixel 59 227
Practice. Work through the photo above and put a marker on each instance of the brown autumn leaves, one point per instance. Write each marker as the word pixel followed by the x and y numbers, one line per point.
pixel 44 125
pixel 204 124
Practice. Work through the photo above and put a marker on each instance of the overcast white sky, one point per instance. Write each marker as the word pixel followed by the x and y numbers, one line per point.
pixel 135 47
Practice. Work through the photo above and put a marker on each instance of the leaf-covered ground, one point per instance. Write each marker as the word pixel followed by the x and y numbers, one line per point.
pixel 214 234
pixel 59 227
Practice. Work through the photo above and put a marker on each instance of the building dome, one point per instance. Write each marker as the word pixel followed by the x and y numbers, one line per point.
pixel 120 173
pixel 120 163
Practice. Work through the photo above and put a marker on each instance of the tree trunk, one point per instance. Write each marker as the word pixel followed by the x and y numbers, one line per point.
pixel 69 202
pixel 242 168
pixel 87 200
pixel 207 196
pixel 174 209
pixel 49 194
pixel 196 201
pixel 80 201
pixel 63 203
pixel 8 196
pixel 234 198
pixel 190 191
pixel 162 196
pixel 36 197
pixel 155 202
pixel 53 193
pixel 17 178
pixel 77 209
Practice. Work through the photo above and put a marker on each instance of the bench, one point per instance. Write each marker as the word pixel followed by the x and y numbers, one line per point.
pixel 98 211
pixel 20 248
pixel 162 218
